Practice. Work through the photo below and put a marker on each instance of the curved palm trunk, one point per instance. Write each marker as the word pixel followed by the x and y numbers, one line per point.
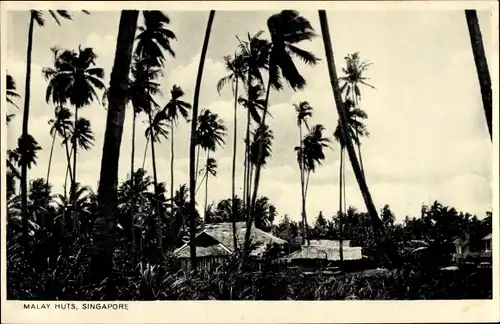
pixel 171 163
pixel 50 156
pixel 233 171
pixel 192 146
pixel 132 179
pixel 387 249
pixel 26 112
pixel 483 73
pixel 258 168
pixel 108 179
pixel 155 179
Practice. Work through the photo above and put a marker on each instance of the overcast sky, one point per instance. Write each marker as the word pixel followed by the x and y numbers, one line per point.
pixel 429 139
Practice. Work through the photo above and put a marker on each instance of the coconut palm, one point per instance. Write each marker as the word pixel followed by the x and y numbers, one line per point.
pixel 174 109
pixel 357 129
pixel 209 169
pixel 154 37
pixel 108 179
pixel 254 54
pixel 377 224
pixel 481 63
pixel 353 78
pixel 287 29
pixel 74 79
pixel 265 213
pixel 156 130
pixel 304 111
pixel 193 141
pixel 235 68
pixel 11 93
pixel 59 125
pixel 36 17
pixel 210 132
pixel 253 103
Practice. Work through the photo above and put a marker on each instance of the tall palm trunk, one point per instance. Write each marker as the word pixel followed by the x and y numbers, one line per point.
pixel 302 190
pixel 246 163
pixel 206 188
pixel 483 73
pixel 132 188
pixel 171 164
pixel 72 196
pixel 233 171
pixel 68 158
pixel 108 179
pixel 251 210
pixel 50 156
pixel 24 136
pixel 145 153
pixel 386 248
pixel 341 210
pixel 155 179
pixel 192 145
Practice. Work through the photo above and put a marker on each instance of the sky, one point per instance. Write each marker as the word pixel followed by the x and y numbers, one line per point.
pixel 428 136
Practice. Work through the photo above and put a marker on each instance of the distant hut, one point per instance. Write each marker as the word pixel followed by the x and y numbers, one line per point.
pixel 324 253
pixel 214 244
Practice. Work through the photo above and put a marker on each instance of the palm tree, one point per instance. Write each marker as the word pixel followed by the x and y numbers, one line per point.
pixel 133 193
pixel 253 104
pixel 209 169
pixel 75 79
pixel 11 91
pixel 142 86
pixel 210 132
pixel 265 213
pixel 36 16
pixel 236 73
pixel 193 142
pixel 173 109
pixel 60 125
pixel 287 29
pixel 108 180
pixel 355 117
pixel 304 111
pixel 157 129
pixel 154 37
pixel 386 248
pixel 261 137
pixel 254 55
pixel 352 79
pixel 483 73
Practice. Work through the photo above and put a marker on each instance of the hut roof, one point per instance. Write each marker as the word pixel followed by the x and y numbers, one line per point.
pixel 326 252
pixel 217 239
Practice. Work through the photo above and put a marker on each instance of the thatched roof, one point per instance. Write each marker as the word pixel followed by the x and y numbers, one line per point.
pixel 217 239
pixel 330 243
pixel 325 252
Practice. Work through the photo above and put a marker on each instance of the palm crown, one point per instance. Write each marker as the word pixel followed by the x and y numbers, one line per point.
pixel 287 29
pixel 154 37
pixel 210 131
pixel 356 126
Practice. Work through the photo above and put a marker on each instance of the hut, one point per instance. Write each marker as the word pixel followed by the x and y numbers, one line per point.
pixel 214 244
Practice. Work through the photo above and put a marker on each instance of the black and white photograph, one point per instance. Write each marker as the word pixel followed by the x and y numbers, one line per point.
pixel 266 154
